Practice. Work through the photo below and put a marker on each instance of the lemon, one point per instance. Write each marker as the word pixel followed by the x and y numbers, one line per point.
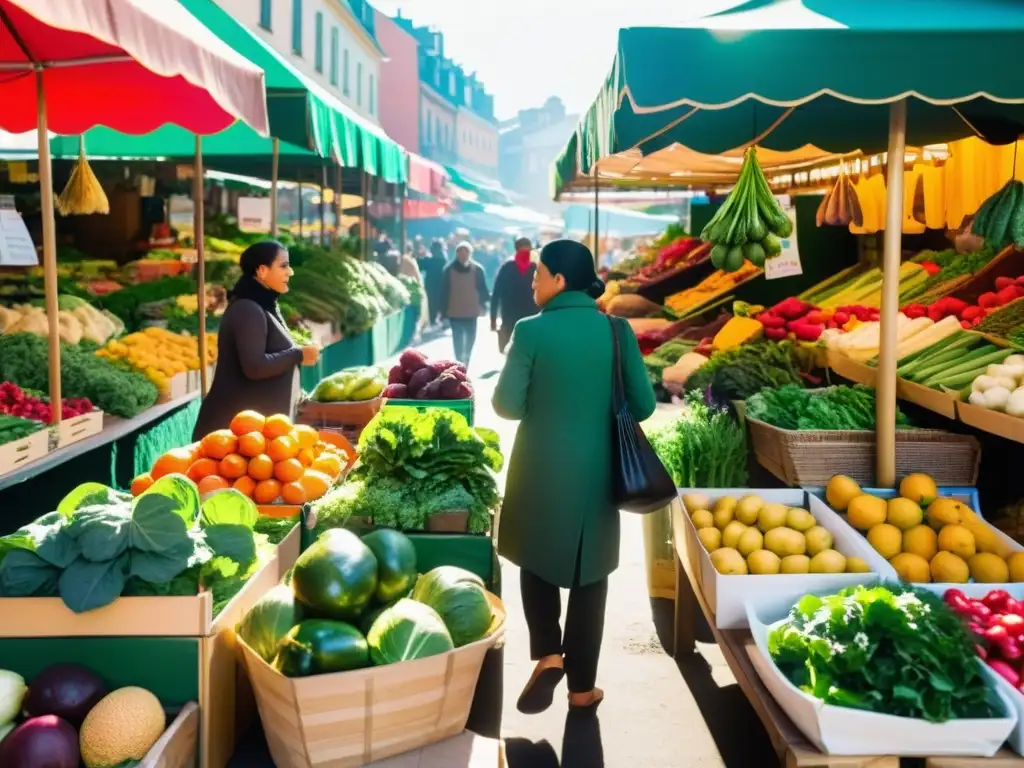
pixel 731 534
pixel 857 565
pixel 886 539
pixel 763 562
pixel 772 515
pixel 722 515
pixel 840 491
pixel 799 519
pixel 988 568
pixel 958 540
pixel 703 519
pixel 710 538
pixel 903 513
pixel 725 502
pixel 866 511
pixel 795 564
pixel 751 540
pixel 944 512
pixel 919 488
pixel 921 541
pixel 785 542
pixel 949 569
pixel 828 561
pixel 1016 566
pixel 747 509
pixel 728 562
pixel 818 539
pixel 695 501
pixel 911 567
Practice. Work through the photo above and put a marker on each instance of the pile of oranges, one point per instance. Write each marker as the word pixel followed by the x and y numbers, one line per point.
pixel 268 459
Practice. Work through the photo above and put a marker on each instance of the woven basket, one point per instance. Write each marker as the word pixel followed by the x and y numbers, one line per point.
pixel 812 457
pixel 351 719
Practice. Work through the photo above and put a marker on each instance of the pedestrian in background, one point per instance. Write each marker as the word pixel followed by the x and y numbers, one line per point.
pixel 407 266
pixel 432 266
pixel 464 300
pixel 512 297
pixel 559 520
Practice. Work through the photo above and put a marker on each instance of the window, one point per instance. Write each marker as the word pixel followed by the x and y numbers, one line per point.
pixel 359 84
pixel 344 73
pixel 318 42
pixel 297 27
pixel 265 14
pixel 334 56
pixel 373 96
pixel 430 129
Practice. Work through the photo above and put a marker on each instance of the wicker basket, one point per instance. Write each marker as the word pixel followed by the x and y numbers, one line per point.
pixel 812 457
pixel 350 719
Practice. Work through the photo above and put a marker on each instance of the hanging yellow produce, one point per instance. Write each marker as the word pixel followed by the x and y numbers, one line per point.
pixel 840 206
pixel 83 194
pixel 913 203
pixel 869 215
pixel 933 181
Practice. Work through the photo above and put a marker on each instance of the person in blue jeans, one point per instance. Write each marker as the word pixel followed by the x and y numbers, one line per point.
pixel 464 299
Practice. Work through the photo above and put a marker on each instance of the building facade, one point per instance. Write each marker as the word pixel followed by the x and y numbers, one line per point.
pixel 530 142
pixel 399 83
pixel 330 41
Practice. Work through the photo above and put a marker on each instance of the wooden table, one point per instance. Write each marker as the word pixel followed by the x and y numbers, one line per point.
pixel 791 746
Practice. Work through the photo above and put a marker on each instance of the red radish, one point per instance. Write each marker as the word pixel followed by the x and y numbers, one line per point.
pixel 996 599
pixel 1005 671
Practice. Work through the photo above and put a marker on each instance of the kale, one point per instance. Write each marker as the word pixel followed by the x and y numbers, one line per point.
pixel 704 448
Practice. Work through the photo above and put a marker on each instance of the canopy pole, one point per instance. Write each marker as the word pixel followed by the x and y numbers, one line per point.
pixel 301 213
pixel 885 394
pixel 197 212
pixel 339 208
pixel 597 216
pixel 49 248
pixel 366 217
pixel 401 201
pixel 323 205
pixel 274 160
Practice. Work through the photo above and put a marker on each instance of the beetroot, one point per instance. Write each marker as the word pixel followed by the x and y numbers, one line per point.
pixel 412 360
pixel 395 391
pixel 458 374
pixel 463 391
pixel 42 742
pixel 420 379
pixel 398 375
pixel 68 691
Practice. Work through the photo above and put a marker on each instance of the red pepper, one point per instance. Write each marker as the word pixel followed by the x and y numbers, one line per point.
pixel 841 318
pixel 1020 280
pixel 972 312
pixel 1010 293
pixel 987 300
pixel 775 334
pixel 861 313
pixel 1004 282
pixel 914 311
pixel 996 599
pixel 806 331
pixel 931 267
pixel 976 321
pixel 791 308
pixel 768 320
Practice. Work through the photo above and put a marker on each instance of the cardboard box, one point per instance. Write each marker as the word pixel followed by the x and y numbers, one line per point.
pixel 846 731
pixel 726 595
pixel 177 747
pixel 18 453
pixel 79 428
pixel 993 422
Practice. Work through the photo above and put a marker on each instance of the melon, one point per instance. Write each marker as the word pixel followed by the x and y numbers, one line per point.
pixel 123 726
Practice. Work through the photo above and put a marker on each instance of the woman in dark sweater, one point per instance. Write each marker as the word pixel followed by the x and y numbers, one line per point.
pixel 513 292
pixel 257 361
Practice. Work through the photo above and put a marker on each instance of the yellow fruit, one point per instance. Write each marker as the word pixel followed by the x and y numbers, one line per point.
pixel 828 561
pixel 722 516
pixel 919 488
pixel 122 727
pixel 903 513
pixel 911 567
pixel 988 568
pixel 818 540
pixel 695 501
pixel 886 539
pixel 866 511
pixel 958 540
pixel 857 565
pixel 726 502
pixel 985 536
pixel 840 491
pixel 772 515
pixel 799 519
pixel 747 509
pixel 710 538
pixel 921 541
pixel 948 568
pixel 945 512
pixel 703 519
pixel 763 562
pixel 731 534
pixel 795 564
pixel 785 542
pixel 751 540
pixel 728 562
pixel 1015 562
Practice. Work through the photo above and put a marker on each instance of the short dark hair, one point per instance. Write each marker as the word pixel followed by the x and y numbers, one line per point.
pixel 574 262
pixel 523 243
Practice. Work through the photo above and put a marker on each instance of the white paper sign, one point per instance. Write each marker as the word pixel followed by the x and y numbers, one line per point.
pixel 254 214
pixel 16 246
pixel 787 263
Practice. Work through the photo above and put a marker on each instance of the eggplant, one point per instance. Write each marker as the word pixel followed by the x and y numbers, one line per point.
pixel 68 691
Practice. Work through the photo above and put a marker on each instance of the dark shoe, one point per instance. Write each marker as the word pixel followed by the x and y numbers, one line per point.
pixel 540 691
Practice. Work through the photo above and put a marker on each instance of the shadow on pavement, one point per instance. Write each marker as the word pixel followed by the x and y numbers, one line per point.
pixel 581 746
pixel 523 753
pixel 663 612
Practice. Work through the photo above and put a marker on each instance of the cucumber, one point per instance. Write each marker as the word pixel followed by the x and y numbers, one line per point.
pixel 718 254
pixel 733 259
pixel 754 253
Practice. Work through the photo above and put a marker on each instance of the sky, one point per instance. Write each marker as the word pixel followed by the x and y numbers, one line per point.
pixel 527 50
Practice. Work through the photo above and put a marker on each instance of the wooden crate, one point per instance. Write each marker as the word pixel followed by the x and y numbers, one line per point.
pixel 18 453
pixel 177 747
pixel 79 428
pixel 339 415
pixel 351 719
pixel 224 704
pixel 178 389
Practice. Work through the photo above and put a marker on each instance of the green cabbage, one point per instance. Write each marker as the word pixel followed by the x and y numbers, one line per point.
pixel 460 600
pixel 408 630
pixel 269 621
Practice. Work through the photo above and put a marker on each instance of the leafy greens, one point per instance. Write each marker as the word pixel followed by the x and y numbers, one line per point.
pixel 704 448
pixel 792 407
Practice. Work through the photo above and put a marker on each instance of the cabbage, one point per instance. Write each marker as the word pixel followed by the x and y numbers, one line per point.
pixel 405 631
pixel 459 600
pixel 12 693
pixel 269 621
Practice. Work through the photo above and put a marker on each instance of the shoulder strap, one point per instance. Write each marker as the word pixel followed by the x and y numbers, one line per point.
pixel 618 389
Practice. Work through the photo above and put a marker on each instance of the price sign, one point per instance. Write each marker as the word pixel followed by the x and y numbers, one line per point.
pixel 787 263
pixel 16 246
pixel 254 214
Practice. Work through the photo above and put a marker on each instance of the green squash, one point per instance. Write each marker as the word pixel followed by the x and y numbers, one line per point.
pixel 337 576
pixel 321 646
pixel 405 631
pixel 460 600
pixel 273 616
pixel 396 563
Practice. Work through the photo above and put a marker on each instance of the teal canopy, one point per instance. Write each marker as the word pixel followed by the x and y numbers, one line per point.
pixel 789 73
pixel 311 125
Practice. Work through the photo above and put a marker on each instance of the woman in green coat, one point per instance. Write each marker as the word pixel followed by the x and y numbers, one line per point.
pixel 559 522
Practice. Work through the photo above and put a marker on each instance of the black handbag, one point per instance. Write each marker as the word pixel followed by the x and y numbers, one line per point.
pixel 641 482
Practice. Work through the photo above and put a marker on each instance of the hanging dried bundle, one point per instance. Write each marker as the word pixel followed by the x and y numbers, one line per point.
pixel 841 206
pixel 83 194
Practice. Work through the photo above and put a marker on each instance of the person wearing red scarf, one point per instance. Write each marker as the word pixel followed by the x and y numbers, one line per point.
pixel 512 296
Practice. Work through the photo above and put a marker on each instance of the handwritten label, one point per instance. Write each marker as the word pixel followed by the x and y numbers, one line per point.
pixel 16 246
pixel 787 263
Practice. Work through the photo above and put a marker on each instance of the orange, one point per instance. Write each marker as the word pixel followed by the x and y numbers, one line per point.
pixel 252 444
pixel 245 485
pixel 212 483
pixel 196 449
pixel 288 471
pixel 282 448
pixel 219 444
pixel 306 435
pixel 141 483
pixel 202 468
pixel 266 492
pixel 306 457
pixel 316 484
pixel 293 493
pixel 329 464
pixel 233 466
pixel 174 462
pixel 277 425
pixel 246 422
pixel 261 467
